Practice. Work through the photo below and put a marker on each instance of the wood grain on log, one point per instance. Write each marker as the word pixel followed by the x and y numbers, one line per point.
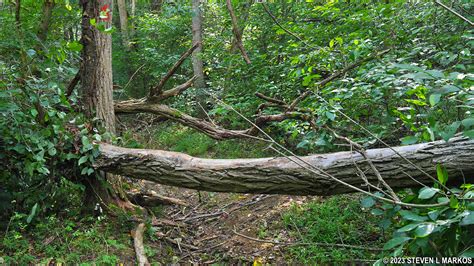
pixel 284 176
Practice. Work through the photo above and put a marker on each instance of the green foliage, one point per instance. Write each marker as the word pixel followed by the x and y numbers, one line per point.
pixel 336 220
pixel 86 240
pixel 47 150
pixel 182 139
pixel 445 231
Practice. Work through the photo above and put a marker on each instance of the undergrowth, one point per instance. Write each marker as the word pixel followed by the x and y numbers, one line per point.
pixel 334 220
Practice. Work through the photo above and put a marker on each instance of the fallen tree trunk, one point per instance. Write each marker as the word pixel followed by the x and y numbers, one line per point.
pixel 284 176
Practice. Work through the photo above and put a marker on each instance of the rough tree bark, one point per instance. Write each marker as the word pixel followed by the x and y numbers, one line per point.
pixel 17 12
pixel 284 176
pixel 48 7
pixel 96 90
pixel 237 32
pixel 156 5
pixel 245 13
pixel 198 66
pixel 123 17
pixel 96 65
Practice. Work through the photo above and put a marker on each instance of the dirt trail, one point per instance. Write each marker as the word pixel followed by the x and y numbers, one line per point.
pixel 205 231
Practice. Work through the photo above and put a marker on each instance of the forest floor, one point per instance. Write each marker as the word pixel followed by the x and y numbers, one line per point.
pixel 221 227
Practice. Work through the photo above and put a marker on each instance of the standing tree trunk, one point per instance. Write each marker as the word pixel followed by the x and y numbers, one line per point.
pixel 199 82
pixel 156 5
pixel 48 7
pixel 17 12
pixel 96 75
pixel 245 13
pixel 96 93
pixel 122 8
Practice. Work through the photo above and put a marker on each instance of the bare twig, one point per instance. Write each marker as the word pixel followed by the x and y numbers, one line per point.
pixel 362 151
pixel 305 243
pixel 157 89
pixel 336 75
pixel 267 10
pixel 454 12
pixel 237 33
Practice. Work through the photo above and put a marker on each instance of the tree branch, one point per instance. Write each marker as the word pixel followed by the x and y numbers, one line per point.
pixel 336 75
pixel 158 88
pixel 237 33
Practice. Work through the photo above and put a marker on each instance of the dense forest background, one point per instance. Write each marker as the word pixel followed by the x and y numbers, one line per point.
pixel 361 75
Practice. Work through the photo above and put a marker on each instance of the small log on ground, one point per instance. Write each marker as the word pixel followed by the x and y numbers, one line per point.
pixel 138 244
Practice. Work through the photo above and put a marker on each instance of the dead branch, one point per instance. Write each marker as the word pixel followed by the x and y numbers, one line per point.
pixel 138 244
pixel 237 33
pixel 305 243
pixel 455 13
pixel 267 10
pixel 143 105
pixel 173 92
pixel 336 75
pixel 177 242
pixel 270 99
pixel 73 84
pixel 157 89
pixel 151 198
pixel 362 151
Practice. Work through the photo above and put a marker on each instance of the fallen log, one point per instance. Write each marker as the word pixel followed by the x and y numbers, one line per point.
pixel 283 176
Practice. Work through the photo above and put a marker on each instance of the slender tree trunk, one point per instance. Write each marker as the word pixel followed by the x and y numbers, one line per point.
pixel 199 82
pixel 157 5
pixel 123 17
pixel 48 7
pixel 133 6
pixel 18 12
pixel 284 176
pixel 245 13
pixel 96 92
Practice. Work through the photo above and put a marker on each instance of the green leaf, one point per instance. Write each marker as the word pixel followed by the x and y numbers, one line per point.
pixel 408 227
pixel 468 122
pixel 469 219
pixel 434 99
pixel 395 242
pixel 367 202
pixel 83 159
pixel 453 202
pixel 442 174
pixel 377 212
pixel 330 116
pixel 408 140
pixel 424 230
pixel 427 192
pixel 450 130
pixel 34 112
pixel 469 134
pixel 52 151
pixel 410 216
pixel 468 253
pixel 32 213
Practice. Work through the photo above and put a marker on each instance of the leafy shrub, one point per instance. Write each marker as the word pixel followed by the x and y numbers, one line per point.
pixel 437 231
pixel 46 150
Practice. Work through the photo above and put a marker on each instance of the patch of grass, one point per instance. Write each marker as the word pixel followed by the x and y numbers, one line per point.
pixel 86 242
pixel 336 220
pixel 178 138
